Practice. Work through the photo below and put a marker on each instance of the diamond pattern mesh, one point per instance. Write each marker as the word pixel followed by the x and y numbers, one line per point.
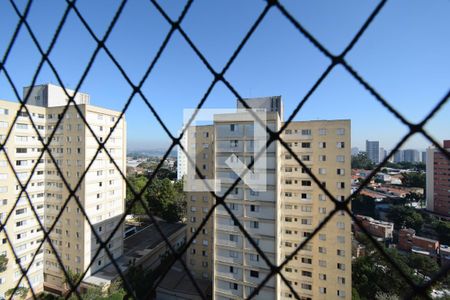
pixel 219 76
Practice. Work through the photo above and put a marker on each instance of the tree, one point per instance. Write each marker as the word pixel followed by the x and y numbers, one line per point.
pixel 138 182
pixel 166 200
pixel 362 161
pixel 413 197
pixel 3 263
pixel 374 278
pixel 424 265
pixel 363 205
pixel 21 292
pixel 414 179
pixel 442 229
pixel 137 279
pixel 71 278
pixel 404 216
pixel 166 173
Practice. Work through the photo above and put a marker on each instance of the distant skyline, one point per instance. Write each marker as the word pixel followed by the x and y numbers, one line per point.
pixel 403 55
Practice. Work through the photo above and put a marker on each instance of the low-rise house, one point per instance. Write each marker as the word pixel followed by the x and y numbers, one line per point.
pixel 381 230
pixel 409 241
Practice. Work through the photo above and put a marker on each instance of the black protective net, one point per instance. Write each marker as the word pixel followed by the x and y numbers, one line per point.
pixel 219 77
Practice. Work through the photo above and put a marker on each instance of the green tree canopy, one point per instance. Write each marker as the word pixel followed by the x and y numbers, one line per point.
pixel 166 199
pixel 138 182
pixel 3 263
pixel 362 161
pixel 404 216
pixel 21 292
pixel 414 179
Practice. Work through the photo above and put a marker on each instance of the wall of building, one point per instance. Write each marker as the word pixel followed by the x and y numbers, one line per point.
pixel 101 193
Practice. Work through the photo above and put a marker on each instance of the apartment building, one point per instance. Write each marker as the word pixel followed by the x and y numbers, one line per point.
pixel 278 204
pixel 200 254
pixel 101 192
pixel 438 181
pixel 373 151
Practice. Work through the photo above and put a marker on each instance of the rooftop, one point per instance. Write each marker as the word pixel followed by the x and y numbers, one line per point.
pixel 135 246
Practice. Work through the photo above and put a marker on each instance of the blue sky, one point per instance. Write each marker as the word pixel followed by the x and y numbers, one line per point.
pixel 404 55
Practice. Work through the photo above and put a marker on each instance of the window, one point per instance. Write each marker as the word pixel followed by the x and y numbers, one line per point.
pixel 322 237
pixel 322 145
pixel 340 172
pixel 306 260
pixel 340 225
pixel 306 208
pixel 340 131
pixel 288 156
pixel 322 250
pixel 4 124
pixel 306 286
pixel 341 293
pixel 305 158
pixel 254 208
pixel 322 276
pixel 306 196
pixel 233 270
pixel 306 145
pixel 254 224
pixel 341 266
pixel 340 145
pixel 340 252
pixel 21 138
pixel 233 238
pixel 21 126
pixel 322 210
pixel 307 273
pixel 21 211
pixel 323 263
pixel 340 158
pixel 234 143
pixel 254 273
pixel 4 111
pixel 233 286
pixel 21 162
pixel 341 280
pixel 254 257
pixel 306 182
pixel 322 131
pixel 322 171
pixel 323 290
pixel 288 131
pixel 232 127
pixel 234 254
pixel 341 239
pixel 340 185
pixel 322 158
pixel 306 131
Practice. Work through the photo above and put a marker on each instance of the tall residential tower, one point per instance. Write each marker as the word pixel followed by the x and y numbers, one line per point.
pixel 278 203
pixel 101 192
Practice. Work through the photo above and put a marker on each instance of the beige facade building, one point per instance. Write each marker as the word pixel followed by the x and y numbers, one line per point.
pixel 199 255
pixel 280 210
pixel 101 193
